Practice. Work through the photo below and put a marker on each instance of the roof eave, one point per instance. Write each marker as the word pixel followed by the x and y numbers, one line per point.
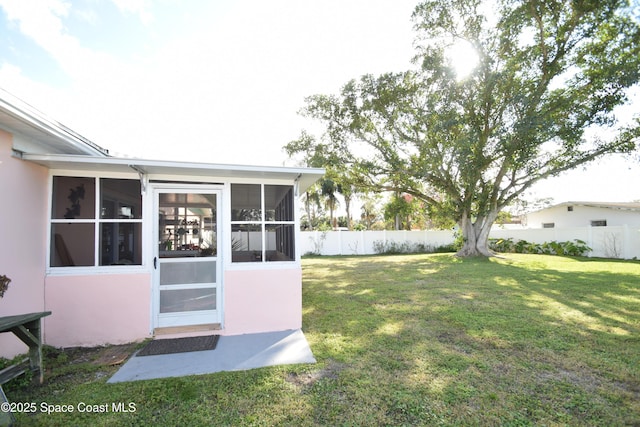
pixel 624 206
pixel 305 176
pixel 16 116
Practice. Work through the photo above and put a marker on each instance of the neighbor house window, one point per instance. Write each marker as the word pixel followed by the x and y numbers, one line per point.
pixel 599 223
pixel 95 222
pixel 548 224
pixel 262 223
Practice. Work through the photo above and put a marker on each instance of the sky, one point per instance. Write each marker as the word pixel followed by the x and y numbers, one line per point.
pixel 219 81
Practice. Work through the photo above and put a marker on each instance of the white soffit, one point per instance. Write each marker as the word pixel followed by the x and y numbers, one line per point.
pixel 155 169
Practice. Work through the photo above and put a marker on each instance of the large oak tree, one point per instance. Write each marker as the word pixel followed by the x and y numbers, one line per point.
pixel 541 100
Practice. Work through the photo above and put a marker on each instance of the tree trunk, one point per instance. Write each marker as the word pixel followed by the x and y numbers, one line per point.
pixel 307 208
pixel 332 223
pixel 476 236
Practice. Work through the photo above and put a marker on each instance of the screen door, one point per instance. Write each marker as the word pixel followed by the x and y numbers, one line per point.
pixel 187 263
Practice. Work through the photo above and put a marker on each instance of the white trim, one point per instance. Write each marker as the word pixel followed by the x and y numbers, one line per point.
pixel 96 229
pixel 97 271
pixel 96 268
pixel 183 187
pixel 224 184
pixel 296 219
pixel 622 206
pixel 267 265
pixel 88 173
pixel 263 227
pixel 260 265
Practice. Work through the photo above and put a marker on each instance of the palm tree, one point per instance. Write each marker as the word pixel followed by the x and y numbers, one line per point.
pixel 328 190
pixel 312 203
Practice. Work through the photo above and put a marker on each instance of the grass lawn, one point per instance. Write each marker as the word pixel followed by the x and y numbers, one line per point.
pixel 410 340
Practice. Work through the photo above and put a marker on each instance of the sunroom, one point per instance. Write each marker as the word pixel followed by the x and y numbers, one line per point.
pixel 138 248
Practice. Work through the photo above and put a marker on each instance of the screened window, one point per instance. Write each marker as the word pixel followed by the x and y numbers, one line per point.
pixel 95 222
pixel 262 223
pixel 599 223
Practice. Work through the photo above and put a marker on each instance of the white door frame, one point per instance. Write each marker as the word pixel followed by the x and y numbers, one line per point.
pixel 159 320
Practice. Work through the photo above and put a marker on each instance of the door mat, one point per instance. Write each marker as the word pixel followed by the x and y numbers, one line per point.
pixel 179 345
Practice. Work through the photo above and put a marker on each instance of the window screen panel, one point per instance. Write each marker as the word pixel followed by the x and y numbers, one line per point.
pixel 72 244
pixel 73 198
pixel 246 202
pixel 280 240
pixel 181 300
pixel 120 199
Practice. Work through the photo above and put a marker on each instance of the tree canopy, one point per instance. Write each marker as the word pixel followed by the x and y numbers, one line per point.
pixel 542 99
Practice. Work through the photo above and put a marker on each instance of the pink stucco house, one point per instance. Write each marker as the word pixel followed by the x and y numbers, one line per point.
pixel 123 249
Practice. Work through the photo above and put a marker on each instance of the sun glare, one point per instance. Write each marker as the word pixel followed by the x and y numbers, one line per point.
pixel 463 58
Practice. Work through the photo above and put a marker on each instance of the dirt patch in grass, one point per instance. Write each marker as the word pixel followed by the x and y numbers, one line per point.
pixel 114 355
pixel 579 378
pixel 111 355
pixel 306 380
pixel 456 340
pixel 590 382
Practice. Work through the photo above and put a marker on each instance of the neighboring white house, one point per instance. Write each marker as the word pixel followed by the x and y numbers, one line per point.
pixel 585 214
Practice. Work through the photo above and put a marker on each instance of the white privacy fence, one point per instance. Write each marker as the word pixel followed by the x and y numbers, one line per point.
pixel 607 242
pixel 363 242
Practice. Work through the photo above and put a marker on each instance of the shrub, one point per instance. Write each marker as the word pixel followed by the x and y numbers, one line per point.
pixel 574 248
pixel 318 242
pixel 502 245
pixel 391 248
pixel 4 284
pixel 21 381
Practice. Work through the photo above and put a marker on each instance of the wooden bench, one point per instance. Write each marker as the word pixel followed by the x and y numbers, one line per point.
pixel 27 327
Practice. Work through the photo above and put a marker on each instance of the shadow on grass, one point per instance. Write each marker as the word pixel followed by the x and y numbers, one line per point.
pixel 411 340
pixel 524 339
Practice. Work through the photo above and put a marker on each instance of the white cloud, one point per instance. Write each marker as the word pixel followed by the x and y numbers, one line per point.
pixel 142 8
pixel 86 15
pixel 225 89
pixel 227 86
pixel 34 93
pixel 41 22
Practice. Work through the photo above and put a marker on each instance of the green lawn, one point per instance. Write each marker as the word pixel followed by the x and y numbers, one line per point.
pixel 411 340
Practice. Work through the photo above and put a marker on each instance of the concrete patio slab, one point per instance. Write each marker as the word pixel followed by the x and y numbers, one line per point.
pixel 233 353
